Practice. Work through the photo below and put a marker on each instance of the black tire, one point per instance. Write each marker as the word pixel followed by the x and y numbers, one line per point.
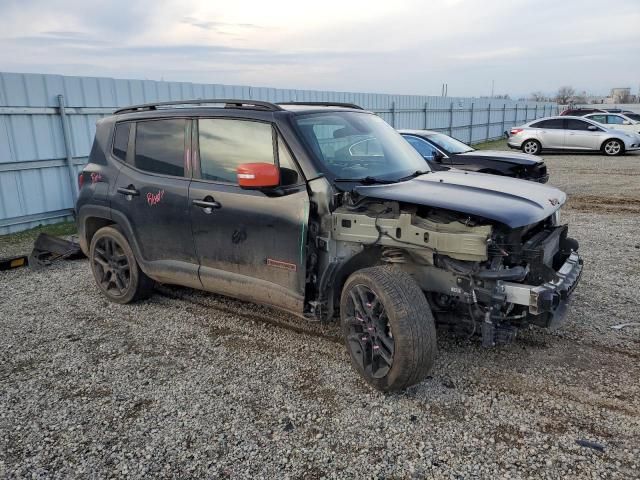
pixel 115 268
pixel 612 147
pixel 531 146
pixel 402 306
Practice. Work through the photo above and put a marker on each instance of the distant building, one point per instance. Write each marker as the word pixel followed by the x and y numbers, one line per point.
pixel 620 95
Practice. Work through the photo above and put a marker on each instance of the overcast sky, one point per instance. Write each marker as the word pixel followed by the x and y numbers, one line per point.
pixel 392 46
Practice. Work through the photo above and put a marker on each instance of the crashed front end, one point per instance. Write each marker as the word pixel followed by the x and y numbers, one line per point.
pixel 480 274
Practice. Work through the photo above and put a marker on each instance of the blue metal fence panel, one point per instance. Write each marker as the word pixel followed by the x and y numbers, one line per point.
pixel 34 176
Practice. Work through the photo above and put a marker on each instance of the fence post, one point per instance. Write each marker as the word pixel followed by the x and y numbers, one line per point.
pixel 393 114
pixel 536 112
pixel 526 113
pixel 471 125
pixel 488 122
pixel 504 117
pixel 66 133
pixel 451 120
pixel 426 111
pixel 515 119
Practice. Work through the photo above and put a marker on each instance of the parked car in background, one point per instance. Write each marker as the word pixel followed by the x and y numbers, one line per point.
pixel 578 112
pixel 618 121
pixel 571 133
pixel 442 152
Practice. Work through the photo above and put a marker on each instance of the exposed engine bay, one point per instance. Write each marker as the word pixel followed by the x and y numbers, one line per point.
pixel 479 275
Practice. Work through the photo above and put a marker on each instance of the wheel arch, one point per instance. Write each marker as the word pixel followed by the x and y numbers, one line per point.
pixel 537 140
pixel 369 257
pixel 617 140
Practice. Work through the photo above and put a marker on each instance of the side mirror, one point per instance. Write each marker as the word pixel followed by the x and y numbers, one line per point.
pixel 438 156
pixel 593 128
pixel 258 175
pixel 626 122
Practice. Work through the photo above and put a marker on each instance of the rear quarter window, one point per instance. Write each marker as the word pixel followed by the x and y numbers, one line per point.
pixel 121 141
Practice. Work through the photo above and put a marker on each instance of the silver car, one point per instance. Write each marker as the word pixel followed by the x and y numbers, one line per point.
pixel 571 133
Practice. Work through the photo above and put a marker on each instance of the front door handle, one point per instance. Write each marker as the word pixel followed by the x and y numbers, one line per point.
pixel 130 190
pixel 207 204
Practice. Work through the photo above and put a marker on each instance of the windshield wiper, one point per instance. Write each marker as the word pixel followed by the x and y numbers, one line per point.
pixel 415 174
pixel 364 180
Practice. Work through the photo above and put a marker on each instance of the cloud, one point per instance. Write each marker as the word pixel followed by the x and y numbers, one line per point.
pixel 217 26
pixel 406 46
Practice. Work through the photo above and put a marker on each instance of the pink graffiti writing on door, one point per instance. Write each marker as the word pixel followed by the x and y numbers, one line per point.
pixel 154 198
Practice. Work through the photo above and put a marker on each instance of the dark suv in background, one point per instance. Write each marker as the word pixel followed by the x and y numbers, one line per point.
pixel 323 210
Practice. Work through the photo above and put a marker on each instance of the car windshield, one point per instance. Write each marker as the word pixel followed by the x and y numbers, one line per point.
pixel 449 144
pixel 353 145
pixel 634 116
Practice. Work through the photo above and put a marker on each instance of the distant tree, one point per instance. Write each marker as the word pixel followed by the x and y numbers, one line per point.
pixel 565 94
pixel 538 97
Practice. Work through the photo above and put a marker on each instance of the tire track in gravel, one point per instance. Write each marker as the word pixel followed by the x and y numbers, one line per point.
pixel 192 298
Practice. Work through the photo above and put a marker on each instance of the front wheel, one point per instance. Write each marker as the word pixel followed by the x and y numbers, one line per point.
pixel 532 147
pixel 388 327
pixel 612 147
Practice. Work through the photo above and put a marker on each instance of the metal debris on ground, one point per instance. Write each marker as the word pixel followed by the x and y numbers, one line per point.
pixel 588 444
pixel 623 325
pixel 48 248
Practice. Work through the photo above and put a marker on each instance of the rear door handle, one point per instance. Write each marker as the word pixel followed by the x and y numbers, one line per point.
pixel 129 190
pixel 207 204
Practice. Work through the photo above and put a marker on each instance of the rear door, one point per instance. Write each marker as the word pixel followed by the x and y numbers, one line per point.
pixel 579 137
pixel 551 133
pixel 150 199
pixel 251 244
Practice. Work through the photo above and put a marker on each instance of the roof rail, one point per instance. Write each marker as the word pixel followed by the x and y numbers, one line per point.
pixel 325 104
pixel 228 103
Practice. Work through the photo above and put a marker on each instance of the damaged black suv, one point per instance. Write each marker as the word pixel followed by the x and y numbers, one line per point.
pixel 323 210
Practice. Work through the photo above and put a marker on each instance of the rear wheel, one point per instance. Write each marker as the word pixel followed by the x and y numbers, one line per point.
pixel 115 269
pixel 532 147
pixel 613 147
pixel 388 327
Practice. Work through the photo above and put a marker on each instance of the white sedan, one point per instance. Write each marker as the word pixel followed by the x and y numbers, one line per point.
pixel 619 121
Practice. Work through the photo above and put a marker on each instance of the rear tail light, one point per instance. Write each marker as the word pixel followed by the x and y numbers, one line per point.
pixel 515 131
pixel 80 180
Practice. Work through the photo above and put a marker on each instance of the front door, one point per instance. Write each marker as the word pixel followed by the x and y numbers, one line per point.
pixel 579 137
pixel 251 244
pixel 150 196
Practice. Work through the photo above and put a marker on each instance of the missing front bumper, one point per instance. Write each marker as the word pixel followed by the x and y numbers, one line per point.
pixel 547 303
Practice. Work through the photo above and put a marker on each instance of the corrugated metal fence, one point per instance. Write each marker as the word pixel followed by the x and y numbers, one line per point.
pixel 47 123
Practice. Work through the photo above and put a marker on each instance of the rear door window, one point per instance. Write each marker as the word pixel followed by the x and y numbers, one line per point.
pixel 160 146
pixel 121 141
pixel 598 118
pixel 553 124
pixel 615 120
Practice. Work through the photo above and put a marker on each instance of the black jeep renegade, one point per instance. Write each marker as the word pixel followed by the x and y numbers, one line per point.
pixel 323 210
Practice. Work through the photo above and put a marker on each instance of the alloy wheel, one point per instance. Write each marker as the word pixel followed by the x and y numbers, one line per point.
pixel 370 338
pixel 612 148
pixel 112 266
pixel 530 147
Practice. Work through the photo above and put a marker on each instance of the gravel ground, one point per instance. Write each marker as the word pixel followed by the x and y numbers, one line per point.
pixel 189 384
